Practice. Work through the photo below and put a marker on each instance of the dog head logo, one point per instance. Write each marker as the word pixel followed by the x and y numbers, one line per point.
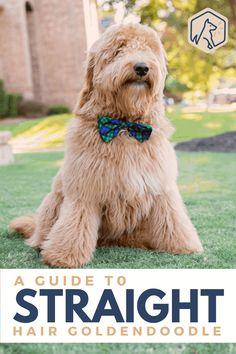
pixel 207 30
pixel 126 71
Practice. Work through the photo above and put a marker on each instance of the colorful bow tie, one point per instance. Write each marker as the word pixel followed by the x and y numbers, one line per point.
pixel 109 128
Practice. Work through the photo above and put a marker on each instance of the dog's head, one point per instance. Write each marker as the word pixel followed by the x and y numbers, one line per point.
pixel 125 71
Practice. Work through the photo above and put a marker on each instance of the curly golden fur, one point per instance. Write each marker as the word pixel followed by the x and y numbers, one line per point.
pixel 123 192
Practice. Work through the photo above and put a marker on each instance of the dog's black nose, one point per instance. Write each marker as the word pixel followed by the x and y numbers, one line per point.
pixel 141 69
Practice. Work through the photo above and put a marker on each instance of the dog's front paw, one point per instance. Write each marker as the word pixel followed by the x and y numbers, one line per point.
pixel 34 241
pixel 60 259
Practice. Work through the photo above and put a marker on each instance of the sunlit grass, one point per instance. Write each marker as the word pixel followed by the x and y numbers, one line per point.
pixel 200 125
pixel 49 132
pixel 213 125
pixel 57 122
pixel 199 185
pixel 192 116
pixel 38 134
pixel 202 159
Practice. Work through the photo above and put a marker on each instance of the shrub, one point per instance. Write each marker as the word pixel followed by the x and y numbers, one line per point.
pixel 58 109
pixel 3 101
pixel 32 108
pixel 9 103
pixel 13 104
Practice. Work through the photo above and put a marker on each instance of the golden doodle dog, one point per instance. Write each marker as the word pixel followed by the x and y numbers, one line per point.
pixel 118 182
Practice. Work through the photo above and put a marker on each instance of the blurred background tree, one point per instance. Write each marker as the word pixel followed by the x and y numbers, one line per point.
pixel 190 69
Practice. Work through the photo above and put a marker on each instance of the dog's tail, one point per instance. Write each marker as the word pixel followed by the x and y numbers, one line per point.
pixel 24 225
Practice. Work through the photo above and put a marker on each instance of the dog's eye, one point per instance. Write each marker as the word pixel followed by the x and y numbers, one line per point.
pixel 119 49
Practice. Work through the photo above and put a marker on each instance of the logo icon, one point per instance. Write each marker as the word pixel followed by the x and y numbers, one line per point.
pixel 207 30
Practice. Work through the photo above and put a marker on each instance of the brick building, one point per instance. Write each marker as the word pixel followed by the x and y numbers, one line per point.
pixel 43 45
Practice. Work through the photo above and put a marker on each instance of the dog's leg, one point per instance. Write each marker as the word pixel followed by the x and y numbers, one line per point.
pixel 47 213
pixel 46 216
pixel 169 227
pixel 73 238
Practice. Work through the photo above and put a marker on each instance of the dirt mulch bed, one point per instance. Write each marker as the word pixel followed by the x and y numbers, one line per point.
pixel 225 142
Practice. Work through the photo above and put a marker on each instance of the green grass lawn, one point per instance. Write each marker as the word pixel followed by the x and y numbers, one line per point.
pixel 46 132
pixel 207 182
pixel 200 125
pixel 49 132
pixel 117 348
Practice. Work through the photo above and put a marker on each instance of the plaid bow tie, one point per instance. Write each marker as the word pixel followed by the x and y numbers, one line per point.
pixel 109 128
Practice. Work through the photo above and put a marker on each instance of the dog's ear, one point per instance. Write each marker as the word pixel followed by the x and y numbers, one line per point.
pixel 162 58
pixel 87 88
